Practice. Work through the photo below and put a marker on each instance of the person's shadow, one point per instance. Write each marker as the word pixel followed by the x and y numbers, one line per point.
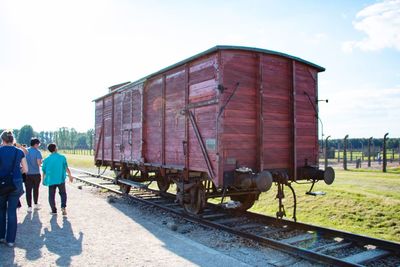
pixel 62 241
pixel 7 256
pixel 32 228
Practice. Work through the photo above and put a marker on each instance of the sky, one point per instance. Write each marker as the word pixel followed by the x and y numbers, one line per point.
pixel 57 56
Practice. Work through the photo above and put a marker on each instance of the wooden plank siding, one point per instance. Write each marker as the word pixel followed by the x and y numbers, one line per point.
pixel 277 112
pixel 239 129
pixel 269 122
pixel 137 129
pixel 108 128
pixel 153 103
pixel 117 122
pixel 174 119
pixel 202 87
pixel 98 130
pixel 307 122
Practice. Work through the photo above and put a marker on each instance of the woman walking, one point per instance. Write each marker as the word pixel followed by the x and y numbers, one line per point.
pixel 32 180
pixel 12 160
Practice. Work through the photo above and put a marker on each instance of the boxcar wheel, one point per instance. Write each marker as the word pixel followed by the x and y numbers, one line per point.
pixel 247 201
pixel 197 199
pixel 163 184
pixel 125 189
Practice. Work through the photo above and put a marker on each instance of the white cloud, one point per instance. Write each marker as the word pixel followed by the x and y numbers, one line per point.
pixel 362 112
pixel 381 23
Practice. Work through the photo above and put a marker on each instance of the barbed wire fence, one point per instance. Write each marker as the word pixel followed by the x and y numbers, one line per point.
pixel 369 154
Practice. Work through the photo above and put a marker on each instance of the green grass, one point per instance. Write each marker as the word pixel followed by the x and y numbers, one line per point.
pixel 366 203
pixel 75 160
pixel 361 201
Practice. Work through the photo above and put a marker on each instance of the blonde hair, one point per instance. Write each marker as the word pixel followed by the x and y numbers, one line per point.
pixel 7 136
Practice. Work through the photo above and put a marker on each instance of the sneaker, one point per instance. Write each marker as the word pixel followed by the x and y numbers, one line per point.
pixel 29 209
pixel 10 245
pixel 53 212
pixel 64 211
pixel 37 207
pixel 2 240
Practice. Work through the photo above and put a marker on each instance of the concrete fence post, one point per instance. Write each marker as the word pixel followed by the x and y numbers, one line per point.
pixel 345 151
pixel 369 151
pixel 384 165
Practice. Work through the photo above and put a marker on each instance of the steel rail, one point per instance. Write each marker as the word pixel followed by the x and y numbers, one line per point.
pixel 284 247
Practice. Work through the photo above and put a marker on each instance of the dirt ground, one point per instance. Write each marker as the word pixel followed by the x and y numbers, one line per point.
pixel 107 230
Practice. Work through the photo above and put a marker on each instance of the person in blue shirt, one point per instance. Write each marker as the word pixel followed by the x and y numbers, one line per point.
pixel 33 177
pixel 9 202
pixel 54 169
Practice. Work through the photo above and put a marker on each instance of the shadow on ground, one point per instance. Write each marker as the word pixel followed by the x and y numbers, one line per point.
pixel 175 242
pixel 60 240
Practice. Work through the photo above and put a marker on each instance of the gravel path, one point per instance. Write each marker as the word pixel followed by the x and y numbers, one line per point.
pixel 106 230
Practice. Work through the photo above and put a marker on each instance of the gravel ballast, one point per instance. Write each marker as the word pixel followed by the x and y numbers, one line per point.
pixel 103 229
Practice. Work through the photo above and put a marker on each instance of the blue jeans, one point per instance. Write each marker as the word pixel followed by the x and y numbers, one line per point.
pixel 8 214
pixel 52 194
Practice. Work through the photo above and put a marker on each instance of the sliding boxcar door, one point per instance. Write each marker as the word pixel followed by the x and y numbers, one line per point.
pixel 126 129
pixel 137 122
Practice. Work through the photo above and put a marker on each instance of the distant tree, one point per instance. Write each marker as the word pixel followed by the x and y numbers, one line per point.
pixel 90 136
pixel 73 135
pixel 62 139
pixel 81 142
pixel 25 134
pixel 51 137
pixel 16 133
pixel 42 137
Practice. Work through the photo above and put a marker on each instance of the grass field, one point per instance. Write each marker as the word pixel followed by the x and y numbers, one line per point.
pixel 363 202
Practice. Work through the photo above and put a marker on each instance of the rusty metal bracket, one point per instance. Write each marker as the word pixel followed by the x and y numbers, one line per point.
pixel 201 143
pixel 98 142
pixel 227 101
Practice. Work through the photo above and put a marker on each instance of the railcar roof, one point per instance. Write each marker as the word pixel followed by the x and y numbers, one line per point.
pixel 214 49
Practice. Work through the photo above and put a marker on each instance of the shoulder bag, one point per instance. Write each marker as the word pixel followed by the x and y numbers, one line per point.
pixel 6 182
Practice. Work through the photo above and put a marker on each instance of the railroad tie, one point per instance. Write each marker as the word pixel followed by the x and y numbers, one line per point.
pixel 228 220
pixel 298 238
pixel 332 246
pixel 213 216
pixel 366 256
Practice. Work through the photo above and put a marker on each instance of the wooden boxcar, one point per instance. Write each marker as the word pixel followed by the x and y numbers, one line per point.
pixel 229 121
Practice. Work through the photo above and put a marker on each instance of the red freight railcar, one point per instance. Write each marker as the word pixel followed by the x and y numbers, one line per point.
pixel 226 122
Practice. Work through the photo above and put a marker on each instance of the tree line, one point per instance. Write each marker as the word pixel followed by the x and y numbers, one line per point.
pixel 362 143
pixel 64 137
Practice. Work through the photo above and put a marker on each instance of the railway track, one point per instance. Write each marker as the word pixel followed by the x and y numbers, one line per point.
pixel 313 243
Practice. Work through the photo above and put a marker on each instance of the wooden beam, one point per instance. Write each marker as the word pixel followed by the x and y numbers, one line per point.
pixel 142 119
pixel 163 96
pixel 112 127
pixel 366 256
pixel 102 141
pixel 185 143
pixel 260 117
pixel 219 125
pixel 201 144
pixel 294 124
pixel 98 142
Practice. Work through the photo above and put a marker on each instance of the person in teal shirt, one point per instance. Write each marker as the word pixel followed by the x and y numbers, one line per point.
pixel 54 169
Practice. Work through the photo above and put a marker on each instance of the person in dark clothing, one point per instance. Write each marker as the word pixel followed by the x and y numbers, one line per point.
pixel 33 177
pixel 9 202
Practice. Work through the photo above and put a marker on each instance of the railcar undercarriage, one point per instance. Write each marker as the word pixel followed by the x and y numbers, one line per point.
pixel 242 186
